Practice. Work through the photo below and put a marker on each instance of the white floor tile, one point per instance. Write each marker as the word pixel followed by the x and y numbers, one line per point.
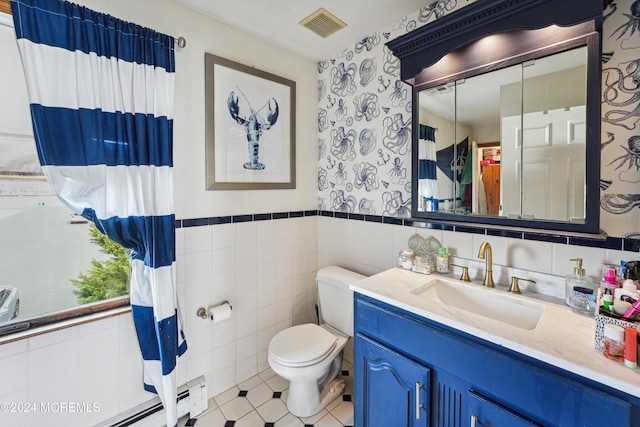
pixel 289 421
pixel 252 419
pixel 226 396
pixel 333 404
pixel 259 407
pixel 250 383
pixel 273 410
pixel 213 418
pixel 315 418
pixel 328 421
pixel 348 385
pixel 265 375
pixel 344 413
pixel 277 383
pixel 259 394
pixel 236 408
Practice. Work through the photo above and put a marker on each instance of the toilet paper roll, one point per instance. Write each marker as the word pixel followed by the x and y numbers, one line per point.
pixel 220 312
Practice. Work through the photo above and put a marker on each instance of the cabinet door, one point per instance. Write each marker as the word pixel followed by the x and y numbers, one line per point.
pixel 485 413
pixel 390 390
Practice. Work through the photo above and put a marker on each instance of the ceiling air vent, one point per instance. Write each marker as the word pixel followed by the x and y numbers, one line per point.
pixel 323 23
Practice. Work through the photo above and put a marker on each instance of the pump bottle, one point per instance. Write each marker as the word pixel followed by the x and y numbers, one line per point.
pixel 580 293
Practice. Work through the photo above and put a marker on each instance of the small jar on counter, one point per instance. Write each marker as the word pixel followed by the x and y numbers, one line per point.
pixel 405 259
pixel 613 342
pixel 423 264
pixel 442 264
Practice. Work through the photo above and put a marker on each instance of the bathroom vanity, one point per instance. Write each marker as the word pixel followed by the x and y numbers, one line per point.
pixel 421 362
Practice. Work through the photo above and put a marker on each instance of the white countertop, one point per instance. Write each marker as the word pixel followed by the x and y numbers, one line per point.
pixel 561 337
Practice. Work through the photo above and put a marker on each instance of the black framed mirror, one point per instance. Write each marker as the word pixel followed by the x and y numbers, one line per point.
pixel 506 114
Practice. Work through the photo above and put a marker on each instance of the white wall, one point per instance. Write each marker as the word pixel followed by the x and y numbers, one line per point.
pixel 265 268
pixel 370 247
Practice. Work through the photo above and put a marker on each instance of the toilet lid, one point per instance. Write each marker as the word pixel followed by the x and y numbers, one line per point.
pixel 302 345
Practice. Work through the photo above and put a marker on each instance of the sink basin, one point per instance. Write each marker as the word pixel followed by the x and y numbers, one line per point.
pixel 488 303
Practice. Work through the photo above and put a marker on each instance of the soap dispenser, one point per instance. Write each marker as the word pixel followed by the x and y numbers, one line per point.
pixel 580 293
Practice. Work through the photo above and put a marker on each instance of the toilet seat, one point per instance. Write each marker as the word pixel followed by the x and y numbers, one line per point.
pixel 301 345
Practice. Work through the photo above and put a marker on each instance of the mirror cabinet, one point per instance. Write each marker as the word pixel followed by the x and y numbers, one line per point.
pixel 506 114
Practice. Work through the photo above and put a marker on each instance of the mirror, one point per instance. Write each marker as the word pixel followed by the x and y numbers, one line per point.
pixel 507 115
pixel 510 142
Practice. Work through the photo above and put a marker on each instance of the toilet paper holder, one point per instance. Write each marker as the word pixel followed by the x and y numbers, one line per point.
pixel 204 313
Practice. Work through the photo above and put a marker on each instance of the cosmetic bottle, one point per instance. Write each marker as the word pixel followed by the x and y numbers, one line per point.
pixel 442 261
pixel 609 281
pixel 613 342
pixel 632 270
pixel 580 293
pixel 627 292
pixel 607 300
pixel 405 259
pixel 630 347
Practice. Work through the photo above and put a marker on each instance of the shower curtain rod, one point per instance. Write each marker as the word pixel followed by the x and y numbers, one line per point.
pixel 7 21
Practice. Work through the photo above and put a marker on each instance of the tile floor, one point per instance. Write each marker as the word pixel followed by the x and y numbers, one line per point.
pixel 261 401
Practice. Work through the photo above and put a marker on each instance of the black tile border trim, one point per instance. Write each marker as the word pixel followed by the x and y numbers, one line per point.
pixel 613 243
pixel 473 230
pixel 609 243
pixel 504 233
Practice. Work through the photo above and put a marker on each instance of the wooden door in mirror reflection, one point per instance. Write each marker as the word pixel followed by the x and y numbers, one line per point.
pixel 491 182
pixel 5 7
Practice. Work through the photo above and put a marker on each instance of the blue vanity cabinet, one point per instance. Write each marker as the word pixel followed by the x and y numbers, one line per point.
pixel 395 386
pixel 466 381
pixel 485 413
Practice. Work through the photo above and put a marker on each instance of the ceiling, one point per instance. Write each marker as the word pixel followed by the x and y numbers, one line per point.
pixel 278 20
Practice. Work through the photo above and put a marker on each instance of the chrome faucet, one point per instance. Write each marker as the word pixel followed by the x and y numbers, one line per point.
pixel 485 253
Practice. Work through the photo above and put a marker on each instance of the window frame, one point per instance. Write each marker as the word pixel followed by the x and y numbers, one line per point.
pixel 29 326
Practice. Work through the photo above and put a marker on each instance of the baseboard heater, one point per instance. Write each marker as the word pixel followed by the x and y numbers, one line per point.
pixel 192 400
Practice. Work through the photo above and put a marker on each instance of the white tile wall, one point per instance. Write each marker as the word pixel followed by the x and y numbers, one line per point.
pixel 369 247
pixel 266 269
pixel 92 363
pixel 263 269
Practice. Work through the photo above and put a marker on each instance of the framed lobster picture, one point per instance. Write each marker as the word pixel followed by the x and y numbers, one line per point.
pixel 250 127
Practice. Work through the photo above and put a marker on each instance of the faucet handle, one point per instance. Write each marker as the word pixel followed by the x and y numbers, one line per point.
pixel 515 287
pixel 464 276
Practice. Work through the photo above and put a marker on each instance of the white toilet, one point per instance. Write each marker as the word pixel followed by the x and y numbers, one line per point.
pixel 310 355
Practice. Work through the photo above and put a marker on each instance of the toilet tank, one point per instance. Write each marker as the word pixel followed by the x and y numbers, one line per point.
pixel 335 297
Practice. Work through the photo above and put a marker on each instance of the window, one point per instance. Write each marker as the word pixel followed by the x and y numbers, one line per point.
pixel 54 265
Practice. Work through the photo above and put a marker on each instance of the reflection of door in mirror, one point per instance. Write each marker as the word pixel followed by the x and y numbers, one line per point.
pixel 551 166
pixel 486 200
pixel 545 142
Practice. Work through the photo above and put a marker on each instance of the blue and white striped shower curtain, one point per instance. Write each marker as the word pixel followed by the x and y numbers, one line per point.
pixel 101 97
pixel 427 179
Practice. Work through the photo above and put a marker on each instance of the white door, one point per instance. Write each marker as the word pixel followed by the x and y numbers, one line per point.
pixel 552 165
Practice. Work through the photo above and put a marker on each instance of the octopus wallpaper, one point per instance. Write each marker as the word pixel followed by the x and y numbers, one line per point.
pixel 364 122
pixel 620 143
